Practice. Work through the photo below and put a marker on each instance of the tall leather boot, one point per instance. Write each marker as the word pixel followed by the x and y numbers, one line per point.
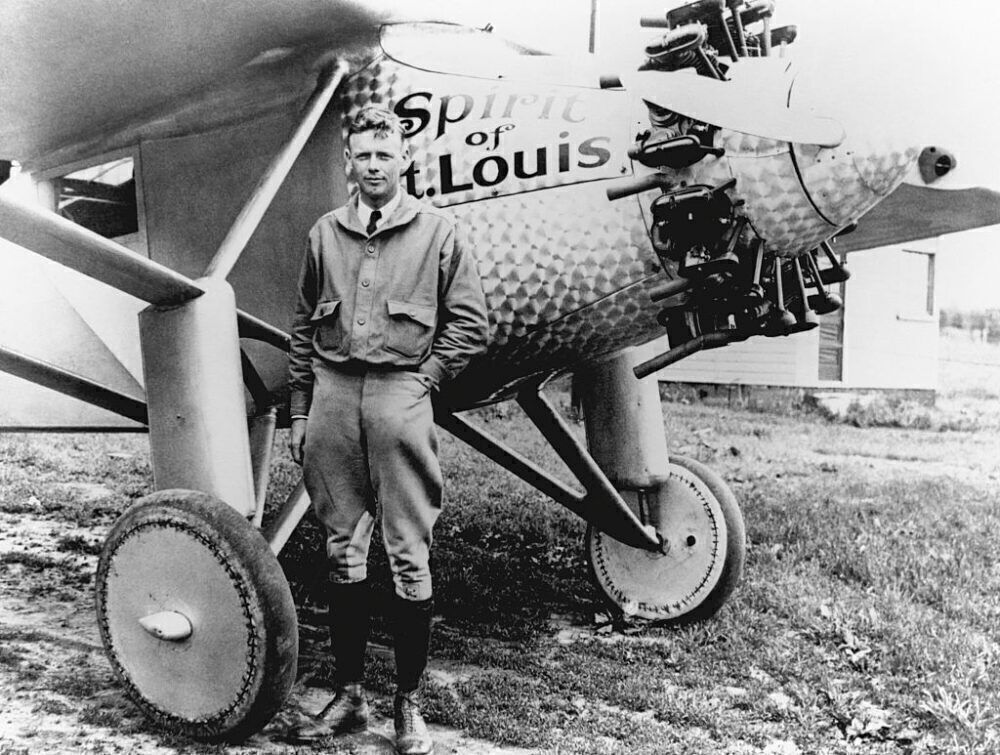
pixel 412 633
pixel 350 624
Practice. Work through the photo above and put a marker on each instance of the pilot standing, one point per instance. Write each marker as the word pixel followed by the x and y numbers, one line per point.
pixel 390 306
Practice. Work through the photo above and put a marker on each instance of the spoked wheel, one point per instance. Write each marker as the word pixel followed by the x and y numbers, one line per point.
pixel 196 616
pixel 702 559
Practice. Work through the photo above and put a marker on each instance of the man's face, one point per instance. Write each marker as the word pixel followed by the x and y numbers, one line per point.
pixel 375 162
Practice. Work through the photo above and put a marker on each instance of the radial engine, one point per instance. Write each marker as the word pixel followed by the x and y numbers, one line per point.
pixel 744 209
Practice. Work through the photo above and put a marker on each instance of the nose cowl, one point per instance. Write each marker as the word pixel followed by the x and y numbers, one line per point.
pixel 845 181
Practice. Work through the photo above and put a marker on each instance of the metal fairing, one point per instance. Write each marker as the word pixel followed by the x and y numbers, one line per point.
pixel 845 182
pixel 565 270
pixel 777 205
pixel 562 267
pixel 619 321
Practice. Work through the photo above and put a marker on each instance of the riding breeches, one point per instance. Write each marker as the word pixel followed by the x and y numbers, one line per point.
pixel 371 445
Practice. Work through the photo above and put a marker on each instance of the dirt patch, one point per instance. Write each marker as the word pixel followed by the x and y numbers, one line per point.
pixel 59 692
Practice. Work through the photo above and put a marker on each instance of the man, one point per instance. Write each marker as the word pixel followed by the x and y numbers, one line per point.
pixel 390 307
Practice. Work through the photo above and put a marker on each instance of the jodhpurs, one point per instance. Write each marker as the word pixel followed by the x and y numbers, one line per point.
pixel 371 444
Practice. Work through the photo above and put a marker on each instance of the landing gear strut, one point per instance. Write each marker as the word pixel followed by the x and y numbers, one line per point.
pixel 665 537
pixel 692 510
pixel 194 610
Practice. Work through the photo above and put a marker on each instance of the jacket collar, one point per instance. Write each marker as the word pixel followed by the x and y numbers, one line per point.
pixel 406 211
pixel 385 212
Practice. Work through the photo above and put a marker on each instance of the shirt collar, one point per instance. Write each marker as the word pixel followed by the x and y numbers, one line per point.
pixel 365 212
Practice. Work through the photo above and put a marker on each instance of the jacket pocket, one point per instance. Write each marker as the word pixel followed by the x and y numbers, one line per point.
pixel 411 328
pixel 325 319
pixel 325 309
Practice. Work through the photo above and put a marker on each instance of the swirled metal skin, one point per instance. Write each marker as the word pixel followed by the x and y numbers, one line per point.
pixel 524 166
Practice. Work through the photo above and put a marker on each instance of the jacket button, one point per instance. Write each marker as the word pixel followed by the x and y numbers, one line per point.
pixel 366 283
pixel 361 321
pixel 371 249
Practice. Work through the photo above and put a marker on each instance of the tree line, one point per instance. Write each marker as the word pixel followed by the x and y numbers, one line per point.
pixel 981 323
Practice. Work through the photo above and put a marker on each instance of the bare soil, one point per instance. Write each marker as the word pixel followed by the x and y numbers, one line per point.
pixel 58 692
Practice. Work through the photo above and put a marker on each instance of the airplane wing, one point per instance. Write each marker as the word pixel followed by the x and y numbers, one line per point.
pixel 81 80
pixel 920 212
pixel 88 74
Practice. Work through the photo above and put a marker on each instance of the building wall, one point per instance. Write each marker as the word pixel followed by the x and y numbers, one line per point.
pixel 891 330
pixel 890 334
pixel 789 360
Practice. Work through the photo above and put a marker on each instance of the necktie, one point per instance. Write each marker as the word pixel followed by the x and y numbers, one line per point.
pixel 373 221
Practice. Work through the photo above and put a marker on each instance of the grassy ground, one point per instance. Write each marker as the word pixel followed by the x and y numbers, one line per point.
pixel 866 622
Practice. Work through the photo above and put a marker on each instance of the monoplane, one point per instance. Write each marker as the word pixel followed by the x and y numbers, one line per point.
pixel 182 151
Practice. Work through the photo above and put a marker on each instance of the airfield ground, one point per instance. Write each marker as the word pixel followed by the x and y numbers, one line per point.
pixel 867 621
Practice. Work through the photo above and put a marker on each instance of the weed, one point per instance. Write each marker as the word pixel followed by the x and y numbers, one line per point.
pixel 98 715
pixel 879 410
pixel 31 561
pixel 962 713
pixel 11 656
pixel 79 544
pixel 54 706
pixel 79 677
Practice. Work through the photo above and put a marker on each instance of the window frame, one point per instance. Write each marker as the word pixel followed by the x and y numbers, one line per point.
pixel 45 182
pixel 930 295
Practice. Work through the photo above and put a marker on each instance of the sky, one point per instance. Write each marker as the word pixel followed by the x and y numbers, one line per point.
pixel 926 68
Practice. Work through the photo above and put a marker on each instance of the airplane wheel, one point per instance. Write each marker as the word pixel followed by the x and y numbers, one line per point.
pixel 702 561
pixel 196 616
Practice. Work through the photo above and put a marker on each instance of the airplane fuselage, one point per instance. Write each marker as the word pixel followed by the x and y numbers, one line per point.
pixel 524 161
pixel 522 148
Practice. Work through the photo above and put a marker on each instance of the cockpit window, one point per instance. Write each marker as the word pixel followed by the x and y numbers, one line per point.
pixel 464 51
pixel 101 198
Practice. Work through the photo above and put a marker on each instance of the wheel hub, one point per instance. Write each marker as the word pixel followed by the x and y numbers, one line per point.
pixel 196 616
pixel 669 583
pixel 163 569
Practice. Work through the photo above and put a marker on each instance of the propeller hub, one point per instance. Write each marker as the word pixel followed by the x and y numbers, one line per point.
pixel 935 163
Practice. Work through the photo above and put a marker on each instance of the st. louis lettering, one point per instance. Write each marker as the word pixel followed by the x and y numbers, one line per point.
pixel 493 169
pixel 422 111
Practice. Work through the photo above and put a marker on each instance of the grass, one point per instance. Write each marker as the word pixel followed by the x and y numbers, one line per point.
pixel 30 561
pixel 867 620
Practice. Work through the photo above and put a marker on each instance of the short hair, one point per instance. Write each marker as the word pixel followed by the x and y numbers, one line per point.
pixel 378 119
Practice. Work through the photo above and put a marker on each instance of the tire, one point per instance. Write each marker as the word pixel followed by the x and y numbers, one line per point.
pixel 189 554
pixel 697 514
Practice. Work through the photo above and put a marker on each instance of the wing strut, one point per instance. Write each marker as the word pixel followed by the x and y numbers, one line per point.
pixel 56 238
pixel 51 236
pixel 70 383
pixel 63 241
pixel 253 211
